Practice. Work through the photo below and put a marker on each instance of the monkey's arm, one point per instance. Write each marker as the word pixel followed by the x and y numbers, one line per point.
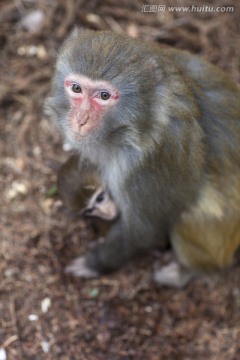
pixel 117 249
pixel 105 257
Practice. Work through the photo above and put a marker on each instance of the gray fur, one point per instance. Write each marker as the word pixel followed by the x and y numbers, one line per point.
pixel 159 145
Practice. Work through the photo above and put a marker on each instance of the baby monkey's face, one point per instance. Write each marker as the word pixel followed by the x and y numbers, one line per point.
pixel 101 205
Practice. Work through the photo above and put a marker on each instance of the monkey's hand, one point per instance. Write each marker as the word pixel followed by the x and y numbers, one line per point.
pixel 78 267
pixel 173 275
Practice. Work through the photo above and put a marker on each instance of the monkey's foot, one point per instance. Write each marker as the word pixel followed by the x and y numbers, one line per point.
pixel 78 267
pixel 173 275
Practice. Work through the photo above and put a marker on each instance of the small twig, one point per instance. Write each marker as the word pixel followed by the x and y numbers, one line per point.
pixel 12 309
pixel 9 341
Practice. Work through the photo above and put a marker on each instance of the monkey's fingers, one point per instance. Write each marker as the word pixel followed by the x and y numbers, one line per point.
pixel 173 275
pixel 79 268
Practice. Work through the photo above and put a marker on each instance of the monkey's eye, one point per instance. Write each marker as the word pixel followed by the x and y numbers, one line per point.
pixel 100 197
pixel 105 95
pixel 76 88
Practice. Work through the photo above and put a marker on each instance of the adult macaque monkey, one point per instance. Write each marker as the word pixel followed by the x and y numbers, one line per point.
pixel 162 127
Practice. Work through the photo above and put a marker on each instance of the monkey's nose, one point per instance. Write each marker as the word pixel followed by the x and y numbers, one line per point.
pixel 82 120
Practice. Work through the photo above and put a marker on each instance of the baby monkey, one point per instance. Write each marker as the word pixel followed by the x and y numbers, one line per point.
pixel 82 193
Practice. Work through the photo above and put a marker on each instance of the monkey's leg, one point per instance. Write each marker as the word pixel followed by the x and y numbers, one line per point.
pixel 202 246
pixel 107 256
pixel 79 267
pixel 173 275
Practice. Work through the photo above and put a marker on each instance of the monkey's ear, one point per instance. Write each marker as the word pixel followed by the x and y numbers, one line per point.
pixel 76 32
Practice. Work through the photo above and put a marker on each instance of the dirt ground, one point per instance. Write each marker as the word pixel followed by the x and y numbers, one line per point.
pixel 45 314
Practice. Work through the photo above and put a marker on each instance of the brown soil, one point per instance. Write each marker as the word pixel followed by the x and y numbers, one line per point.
pixel 45 314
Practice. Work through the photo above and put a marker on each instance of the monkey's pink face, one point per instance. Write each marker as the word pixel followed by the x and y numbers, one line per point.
pixel 89 101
